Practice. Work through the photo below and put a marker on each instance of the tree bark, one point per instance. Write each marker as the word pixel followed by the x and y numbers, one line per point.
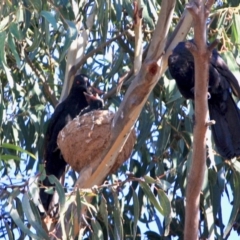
pixel 201 53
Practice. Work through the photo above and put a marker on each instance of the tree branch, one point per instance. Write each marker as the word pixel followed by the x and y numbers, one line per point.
pixel 201 54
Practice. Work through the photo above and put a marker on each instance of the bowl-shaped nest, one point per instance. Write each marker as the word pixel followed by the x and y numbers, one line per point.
pixel 83 140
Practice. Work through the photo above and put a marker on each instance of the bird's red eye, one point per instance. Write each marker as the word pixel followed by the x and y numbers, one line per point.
pixel 77 82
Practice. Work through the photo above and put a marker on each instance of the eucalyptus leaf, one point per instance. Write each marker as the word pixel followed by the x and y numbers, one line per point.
pixel 50 17
pixel 16 148
pixel 15 216
pixel 236 204
pixel 16 32
pixel 147 190
pixel 136 213
pixel 97 230
pixel 32 219
pixel 104 213
pixel 12 46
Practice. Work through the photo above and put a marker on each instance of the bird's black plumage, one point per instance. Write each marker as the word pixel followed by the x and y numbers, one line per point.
pixel 73 105
pixel 222 108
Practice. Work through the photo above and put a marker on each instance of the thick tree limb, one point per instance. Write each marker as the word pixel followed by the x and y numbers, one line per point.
pixel 201 53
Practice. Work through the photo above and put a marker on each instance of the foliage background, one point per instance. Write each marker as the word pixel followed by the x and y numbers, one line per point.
pixel 34 39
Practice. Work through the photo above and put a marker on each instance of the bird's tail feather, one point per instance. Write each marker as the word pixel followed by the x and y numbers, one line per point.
pixel 226 131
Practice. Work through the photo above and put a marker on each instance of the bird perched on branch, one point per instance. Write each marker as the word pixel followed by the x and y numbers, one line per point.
pixel 79 101
pixel 222 108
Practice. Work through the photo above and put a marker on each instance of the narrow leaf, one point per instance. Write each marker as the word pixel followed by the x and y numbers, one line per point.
pixel 104 213
pixel 50 17
pixel 59 189
pixel 12 46
pixel 8 157
pixel 16 148
pixel 2 47
pixel 9 231
pixel 166 206
pixel 118 228
pixel 15 216
pixel 136 212
pixel 147 190
pixel 97 230
pixel 14 29
pixel 236 203
pixel 32 219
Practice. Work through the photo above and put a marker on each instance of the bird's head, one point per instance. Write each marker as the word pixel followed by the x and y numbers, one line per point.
pixel 81 81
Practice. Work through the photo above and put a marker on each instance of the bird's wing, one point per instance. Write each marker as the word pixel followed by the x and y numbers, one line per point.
pixel 55 116
pixel 218 63
pixel 52 124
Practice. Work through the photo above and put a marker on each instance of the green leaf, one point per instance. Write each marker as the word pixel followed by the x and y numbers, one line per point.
pixel 8 157
pixel 32 219
pixel 117 214
pixel 136 212
pixel 36 4
pixel 104 213
pixel 149 179
pixel 12 46
pixel 16 218
pixel 9 231
pixel 165 203
pixel 231 62
pixel 97 230
pixel 147 190
pixel 167 211
pixel 50 17
pixel 2 47
pixel 16 148
pixel 207 202
pixel 79 204
pixel 236 203
pixel 34 189
pixel 60 191
pixel 62 199
pixel 235 28
pixel 14 29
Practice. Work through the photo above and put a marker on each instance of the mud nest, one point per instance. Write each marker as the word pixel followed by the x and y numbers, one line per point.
pixel 83 140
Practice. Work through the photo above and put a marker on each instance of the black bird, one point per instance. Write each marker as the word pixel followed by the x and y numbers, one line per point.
pixel 222 108
pixel 73 105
